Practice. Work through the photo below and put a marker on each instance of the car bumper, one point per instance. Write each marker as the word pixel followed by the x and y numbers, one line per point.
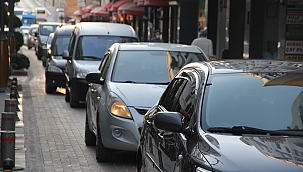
pixel 120 133
pixel 79 89
pixel 55 79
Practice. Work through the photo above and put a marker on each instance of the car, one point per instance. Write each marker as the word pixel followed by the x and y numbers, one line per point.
pixel 45 48
pixel 87 46
pixel 231 115
pixel 43 30
pixel 31 41
pixel 41 14
pixel 28 18
pixel 55 64
pixel 129 81
pixel 25 32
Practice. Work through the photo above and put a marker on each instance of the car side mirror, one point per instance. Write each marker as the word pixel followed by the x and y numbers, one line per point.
pixel 169 121
pixel 65 55
pixel 94 77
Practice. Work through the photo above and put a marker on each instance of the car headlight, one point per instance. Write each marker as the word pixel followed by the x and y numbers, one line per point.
pixel 80 73
pixel 117 107
pixel 54 69
pixel 198 157
pixel 49 51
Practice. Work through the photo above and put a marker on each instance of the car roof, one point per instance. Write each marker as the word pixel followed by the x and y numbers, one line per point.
pixel 34 25
pixel 49 23
pixel 105 28
pixel 250 65
pixel 158 46
pixel 65 29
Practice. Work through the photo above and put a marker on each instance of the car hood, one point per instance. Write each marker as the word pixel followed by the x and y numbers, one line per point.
pixel 239 153
pixel 58 61
pixel 89 65
pixel 138 95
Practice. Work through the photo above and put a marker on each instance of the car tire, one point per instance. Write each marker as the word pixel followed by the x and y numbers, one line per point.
pixel 72 102
pixel 50 89
pixel 67 95
pixel 102 154
pixel 90 138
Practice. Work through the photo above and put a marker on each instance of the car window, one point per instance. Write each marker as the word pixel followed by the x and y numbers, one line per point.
pixel 150 66
pixel 72 43
pixel 105 65
pixel 49 39
pixel 245 100
pixel 32 31
pixel 61 43
pixel 47 29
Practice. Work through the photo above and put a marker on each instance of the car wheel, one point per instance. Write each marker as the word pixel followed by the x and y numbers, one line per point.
pixel 67 95
pixel 50 89
pixel 72 102
pixel 102 154
pixel 90 138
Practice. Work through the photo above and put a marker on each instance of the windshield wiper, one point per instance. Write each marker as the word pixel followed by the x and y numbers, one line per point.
pixel 239 130
pixel 87 57
pixel 127 81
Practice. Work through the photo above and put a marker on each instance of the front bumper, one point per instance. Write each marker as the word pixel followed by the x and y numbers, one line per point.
pixel 55 79
pixel 79 89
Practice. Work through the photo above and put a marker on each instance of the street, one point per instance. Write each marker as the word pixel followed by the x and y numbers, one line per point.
pixel 54 132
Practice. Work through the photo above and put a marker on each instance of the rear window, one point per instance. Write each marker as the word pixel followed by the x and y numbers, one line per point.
pixel 40 11
pixel 47 29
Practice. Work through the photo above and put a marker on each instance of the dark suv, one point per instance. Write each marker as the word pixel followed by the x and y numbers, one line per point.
pixel 54 70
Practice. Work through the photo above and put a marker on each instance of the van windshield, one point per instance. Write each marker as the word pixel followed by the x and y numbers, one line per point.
pixel 94 47
pixel 28 20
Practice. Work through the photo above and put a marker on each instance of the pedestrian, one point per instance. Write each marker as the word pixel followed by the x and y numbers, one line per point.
pixel 157 35
pixel 204 43
pixel 225 54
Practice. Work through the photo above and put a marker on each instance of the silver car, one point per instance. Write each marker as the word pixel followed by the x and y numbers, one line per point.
pixel 129 80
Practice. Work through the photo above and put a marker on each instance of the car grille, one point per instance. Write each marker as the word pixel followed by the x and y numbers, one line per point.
pixel 141 111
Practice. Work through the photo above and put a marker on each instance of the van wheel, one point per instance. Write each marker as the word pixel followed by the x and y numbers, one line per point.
pixel 90 138
pixel 67 96
pixel 72 102
pixel 102 154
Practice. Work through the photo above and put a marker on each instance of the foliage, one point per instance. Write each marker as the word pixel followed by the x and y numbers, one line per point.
pixel 19 61
pixel 17 21
pixel 18 40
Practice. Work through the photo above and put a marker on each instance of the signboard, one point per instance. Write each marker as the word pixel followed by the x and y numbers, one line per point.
pixel 294 27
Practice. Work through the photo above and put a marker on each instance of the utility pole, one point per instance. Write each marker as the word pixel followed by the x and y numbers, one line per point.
pixel 4 62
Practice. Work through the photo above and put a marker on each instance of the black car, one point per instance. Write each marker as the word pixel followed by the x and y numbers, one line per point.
pixel 55 64
pixel 235 115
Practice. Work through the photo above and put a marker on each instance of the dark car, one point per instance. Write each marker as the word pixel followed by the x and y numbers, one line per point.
pixel 31 41
pixel 55 64
pixel 46 49
pixel 235 115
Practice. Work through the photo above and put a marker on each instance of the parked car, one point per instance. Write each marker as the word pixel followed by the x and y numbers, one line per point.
pixel 24 30
pixel 87 46
pixel 129 81
pixel 45 48
pixel 31 41
pixel 55 64
pixel 235 115
pixel 43 30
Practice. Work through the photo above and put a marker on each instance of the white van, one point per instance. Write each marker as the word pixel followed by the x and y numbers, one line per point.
pixel 88 44
pixel 41 14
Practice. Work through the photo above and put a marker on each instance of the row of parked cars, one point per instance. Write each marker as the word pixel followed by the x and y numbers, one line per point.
pixel 198 115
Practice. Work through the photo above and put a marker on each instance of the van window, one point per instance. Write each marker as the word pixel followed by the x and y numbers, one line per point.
pixel 61 44
pixel 40 11
pixel 95 46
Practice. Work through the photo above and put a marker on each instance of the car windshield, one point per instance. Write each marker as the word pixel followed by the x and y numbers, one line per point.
pixel 47 29
pixel 32 31
pixel 153 67
pixel 61 44
pixel 253 100
pixel 18 12
pixel 94 47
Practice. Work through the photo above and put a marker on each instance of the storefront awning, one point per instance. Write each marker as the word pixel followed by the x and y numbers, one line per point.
pixel 88 8
pixel 99 12
pixel 77 13
pixel 108 6
pixel 159 3
pixel 130 8
pixel 117 4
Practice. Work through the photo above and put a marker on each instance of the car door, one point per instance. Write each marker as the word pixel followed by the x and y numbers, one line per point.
pixel 96 89
pixel 181 98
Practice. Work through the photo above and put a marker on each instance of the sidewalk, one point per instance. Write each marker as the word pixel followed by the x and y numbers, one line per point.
pixel 20 164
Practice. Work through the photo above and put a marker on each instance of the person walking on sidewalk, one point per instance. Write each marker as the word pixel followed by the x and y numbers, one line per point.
pixel 205 44
pixel 156 37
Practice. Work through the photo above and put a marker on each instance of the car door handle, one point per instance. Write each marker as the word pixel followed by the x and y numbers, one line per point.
pixel 98 97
